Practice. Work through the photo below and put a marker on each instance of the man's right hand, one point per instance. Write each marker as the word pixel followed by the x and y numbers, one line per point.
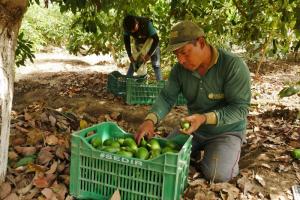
pixel 131 59
pixel 145 129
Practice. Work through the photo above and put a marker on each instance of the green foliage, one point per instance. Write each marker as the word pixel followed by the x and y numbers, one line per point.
pixel 46 26
pixel 261 28
pixel 290 90
pixel 24 50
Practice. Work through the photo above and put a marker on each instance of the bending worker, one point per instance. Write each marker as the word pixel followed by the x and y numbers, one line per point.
pixel 146 44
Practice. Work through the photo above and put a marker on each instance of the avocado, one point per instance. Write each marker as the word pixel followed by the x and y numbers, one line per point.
pixel 96 142
pixel 110 149
pixel 185 125
pixel 153 144
pixel 124 153
pixel 171 144
pixel 142 153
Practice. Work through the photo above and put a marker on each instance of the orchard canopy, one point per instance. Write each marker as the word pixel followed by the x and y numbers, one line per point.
pixel 260 29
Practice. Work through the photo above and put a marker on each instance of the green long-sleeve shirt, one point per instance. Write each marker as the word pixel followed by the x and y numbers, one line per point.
pixel 224 90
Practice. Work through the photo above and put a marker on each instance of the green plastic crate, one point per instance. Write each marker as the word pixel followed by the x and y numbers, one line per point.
pixel 143 93
pixel 116 82
pixel 96 174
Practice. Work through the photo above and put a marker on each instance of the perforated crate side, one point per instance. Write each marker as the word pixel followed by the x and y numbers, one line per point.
pixel 96 174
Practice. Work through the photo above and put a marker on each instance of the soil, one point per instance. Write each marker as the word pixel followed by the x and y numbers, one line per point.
pixel 75 84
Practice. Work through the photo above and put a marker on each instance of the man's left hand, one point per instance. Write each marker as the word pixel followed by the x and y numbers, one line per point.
pixel 195 120
pixel 145 58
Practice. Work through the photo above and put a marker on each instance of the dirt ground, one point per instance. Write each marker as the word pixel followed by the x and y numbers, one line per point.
pixel 267 170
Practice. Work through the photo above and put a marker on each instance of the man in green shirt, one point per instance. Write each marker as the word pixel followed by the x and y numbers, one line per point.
pixel 216 85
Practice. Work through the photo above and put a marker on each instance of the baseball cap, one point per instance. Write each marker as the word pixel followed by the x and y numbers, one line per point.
pixel 182 33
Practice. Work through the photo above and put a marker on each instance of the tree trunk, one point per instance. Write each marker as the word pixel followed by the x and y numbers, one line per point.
pixel 11 14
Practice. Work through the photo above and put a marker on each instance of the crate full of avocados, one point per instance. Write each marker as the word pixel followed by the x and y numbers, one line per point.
pixel 105 158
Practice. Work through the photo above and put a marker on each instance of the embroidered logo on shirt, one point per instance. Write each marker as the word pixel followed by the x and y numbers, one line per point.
pixel 215 96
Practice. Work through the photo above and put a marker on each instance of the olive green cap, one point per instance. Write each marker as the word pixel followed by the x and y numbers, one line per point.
pixel 182 33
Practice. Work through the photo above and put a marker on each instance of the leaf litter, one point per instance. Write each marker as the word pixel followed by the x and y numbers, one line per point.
pixel 42 126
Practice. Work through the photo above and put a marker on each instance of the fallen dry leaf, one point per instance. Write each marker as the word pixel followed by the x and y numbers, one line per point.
pixel 60 190
pixel 61 167
pixel 52 120
pixel 25 151
pixel 18 141
pixel 24 190
pixel 51 140
pixel 31 193
pixel 244 184
pixel 44 157
pixel 5 189
pixel 260 180
pixel 40 181
pixel 34 137
pixel 116 195
pixel 23 130
pixel 53 168
pixel 12 155
pixel 276 196
pixel 60 152
pixel 27 116
pixel 48 193
pixel 65 179
pixel 12 196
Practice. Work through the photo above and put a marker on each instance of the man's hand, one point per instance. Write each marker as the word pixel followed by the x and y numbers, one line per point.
pixel 145 129
pixel 195 120
pixel 145 58
pixel 131 59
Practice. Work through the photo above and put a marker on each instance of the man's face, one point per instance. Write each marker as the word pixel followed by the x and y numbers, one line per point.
pixel 189 55
pixel 136 28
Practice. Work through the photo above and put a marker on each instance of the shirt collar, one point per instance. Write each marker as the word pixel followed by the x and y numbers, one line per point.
pixel 214 60
pixel 215 56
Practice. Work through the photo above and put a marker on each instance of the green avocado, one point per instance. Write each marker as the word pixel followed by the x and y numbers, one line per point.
pixel 130 142
pixel 110 149
pixel 171 144
pixel 124 153
pixel 153 144
pixel 96 141
pixel 142 153
pixel 185 125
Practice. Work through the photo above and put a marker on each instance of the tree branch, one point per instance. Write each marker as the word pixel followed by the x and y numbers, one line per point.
pixel 240 9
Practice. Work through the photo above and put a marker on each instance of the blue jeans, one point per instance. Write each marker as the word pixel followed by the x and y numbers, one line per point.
pixel 155 61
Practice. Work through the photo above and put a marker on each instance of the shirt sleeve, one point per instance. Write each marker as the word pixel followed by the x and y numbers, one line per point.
pixel 168 95
pixel 153 34
pixel 237 91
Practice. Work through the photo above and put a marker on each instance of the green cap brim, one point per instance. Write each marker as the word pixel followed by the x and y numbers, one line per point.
pixel 174 47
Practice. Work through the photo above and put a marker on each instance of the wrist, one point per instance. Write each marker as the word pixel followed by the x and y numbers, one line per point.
pixel 149 120
pixel 152 117
pixel 204 119
pixel 211 118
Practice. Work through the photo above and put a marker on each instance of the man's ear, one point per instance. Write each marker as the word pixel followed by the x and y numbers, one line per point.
pixel 201 41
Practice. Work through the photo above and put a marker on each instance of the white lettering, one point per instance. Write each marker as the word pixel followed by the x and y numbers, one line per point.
pixel 120 159
pixel 125 160
pixel 117 158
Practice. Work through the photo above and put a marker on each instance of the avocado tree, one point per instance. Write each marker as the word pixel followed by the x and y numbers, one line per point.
pixel 11 14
